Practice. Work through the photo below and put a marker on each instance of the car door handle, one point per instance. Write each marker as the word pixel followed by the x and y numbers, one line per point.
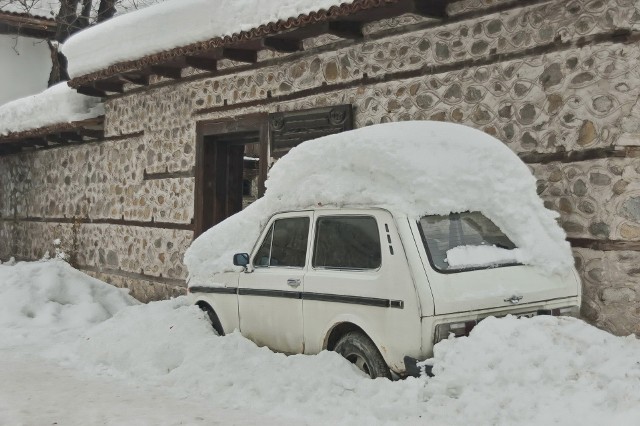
pixel 514 300
pixel 293 282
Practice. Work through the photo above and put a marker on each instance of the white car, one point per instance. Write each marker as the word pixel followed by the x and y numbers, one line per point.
pixel 381 241
pixel 376 286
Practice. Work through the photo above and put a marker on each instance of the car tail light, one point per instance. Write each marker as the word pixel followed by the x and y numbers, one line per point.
pixel 457 329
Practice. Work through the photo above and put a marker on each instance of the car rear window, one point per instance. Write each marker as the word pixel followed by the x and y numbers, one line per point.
pixel 461 230
pixel 347 242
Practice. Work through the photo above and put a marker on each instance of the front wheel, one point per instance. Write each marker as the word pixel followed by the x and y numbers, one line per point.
pixel 215 321
pixel 358 349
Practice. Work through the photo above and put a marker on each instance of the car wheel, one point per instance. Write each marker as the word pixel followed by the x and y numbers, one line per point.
pixel 215 321
pixel 358 349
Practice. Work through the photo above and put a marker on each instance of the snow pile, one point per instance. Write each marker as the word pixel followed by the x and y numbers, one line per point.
pixel 50 296
pixel 467 256
pixel 58 104
pixel 417 168
pixel 536 371
pixel 175 23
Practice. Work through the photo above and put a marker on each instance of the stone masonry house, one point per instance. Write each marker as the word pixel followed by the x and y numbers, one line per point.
pixel 192 128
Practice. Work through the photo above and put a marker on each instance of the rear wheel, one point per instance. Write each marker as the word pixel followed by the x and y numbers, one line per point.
pixel 358 349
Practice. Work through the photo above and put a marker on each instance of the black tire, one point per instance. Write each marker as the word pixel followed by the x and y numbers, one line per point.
pixel 358 349
pixel 213 318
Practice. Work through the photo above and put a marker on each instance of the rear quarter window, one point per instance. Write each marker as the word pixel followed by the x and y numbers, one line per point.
pixel 347 242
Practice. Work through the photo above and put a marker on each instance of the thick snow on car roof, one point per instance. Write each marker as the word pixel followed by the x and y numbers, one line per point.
pixel 413 167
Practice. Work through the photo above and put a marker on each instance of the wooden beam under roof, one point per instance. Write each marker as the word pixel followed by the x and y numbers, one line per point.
pixel 283 44
pixel 72 136
pixel 431 8
pixel 91 91
pixel 109 86
pixel 346 29
pixel 91 133
pixel 140 78
pixel 202 63
pixel 240 55
pixel 168 71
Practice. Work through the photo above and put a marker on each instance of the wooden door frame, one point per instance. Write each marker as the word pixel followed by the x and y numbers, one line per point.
pixel 251 122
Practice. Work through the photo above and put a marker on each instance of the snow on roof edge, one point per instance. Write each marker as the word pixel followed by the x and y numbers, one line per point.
pixel 56 105
pixel 207 28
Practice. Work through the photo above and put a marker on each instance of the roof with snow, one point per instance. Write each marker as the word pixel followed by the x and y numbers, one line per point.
pixel 45 9
pixel 56 115
pixel 26 24
pixel 411 167
pixel 165 38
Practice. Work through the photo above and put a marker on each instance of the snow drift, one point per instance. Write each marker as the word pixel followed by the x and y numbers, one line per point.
pixel 538 371
pixel 58 104
pixel 415 168
pixel 50 296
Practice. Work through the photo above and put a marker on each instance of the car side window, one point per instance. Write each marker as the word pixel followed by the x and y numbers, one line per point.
pixel 347 242
pixel 285 244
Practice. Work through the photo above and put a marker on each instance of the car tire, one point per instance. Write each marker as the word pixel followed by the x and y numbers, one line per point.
pixel 213 318
pixel 360 350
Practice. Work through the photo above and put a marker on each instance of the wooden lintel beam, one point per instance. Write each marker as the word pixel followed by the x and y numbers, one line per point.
pixel 281 44
pixel 241 55
pixel 202 63
pixel 166 71
pixel 91 91
pixel 72 136
pixel 91 133
pixel 346 29
pixel 140 80
pixel 109 86
pixel 56 138
pixel 35 142
pixel 431 8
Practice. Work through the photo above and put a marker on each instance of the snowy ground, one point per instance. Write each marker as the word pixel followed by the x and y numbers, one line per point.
pixel 75 351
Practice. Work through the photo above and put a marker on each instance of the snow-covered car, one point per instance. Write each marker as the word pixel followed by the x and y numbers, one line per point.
pixel 380 242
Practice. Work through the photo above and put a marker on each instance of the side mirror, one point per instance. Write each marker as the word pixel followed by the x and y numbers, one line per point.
pixel 241 259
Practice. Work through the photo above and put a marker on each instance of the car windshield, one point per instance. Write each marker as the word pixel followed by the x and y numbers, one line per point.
pixel 462 241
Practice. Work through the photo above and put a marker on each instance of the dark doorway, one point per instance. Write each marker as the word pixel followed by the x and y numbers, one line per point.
pixel 230 169
pixel 233 155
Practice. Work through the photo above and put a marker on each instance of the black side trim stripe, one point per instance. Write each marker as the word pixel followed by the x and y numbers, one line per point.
pixel 217 290
pixel 320 297
pixel 270 293
pixel 355 300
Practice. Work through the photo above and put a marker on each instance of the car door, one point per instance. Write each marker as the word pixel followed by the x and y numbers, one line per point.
pixel 270 293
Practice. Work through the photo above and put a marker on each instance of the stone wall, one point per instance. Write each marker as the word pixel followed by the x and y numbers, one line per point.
pixel 555 80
